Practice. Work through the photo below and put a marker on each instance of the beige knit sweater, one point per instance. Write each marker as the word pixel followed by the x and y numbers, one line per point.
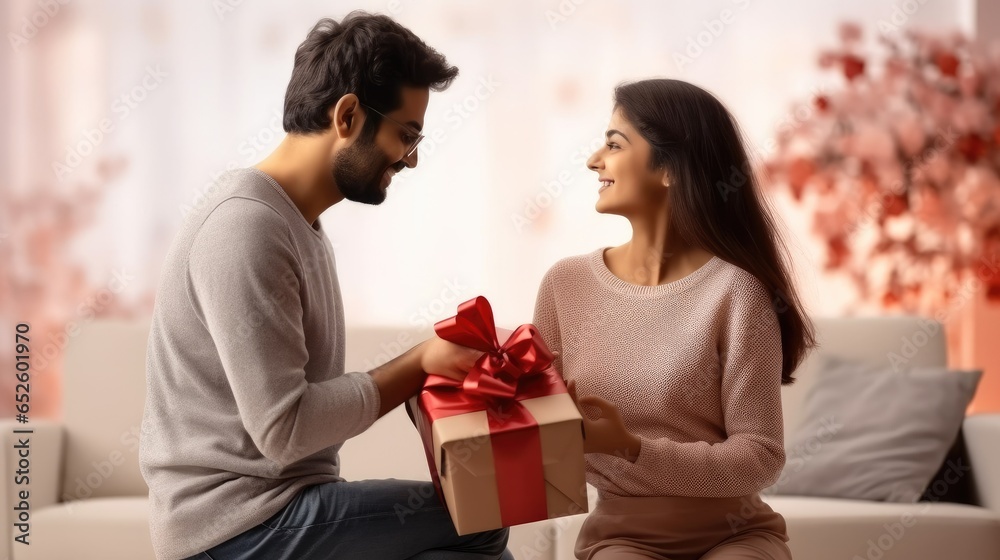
pixel 693 365
pixel 247 399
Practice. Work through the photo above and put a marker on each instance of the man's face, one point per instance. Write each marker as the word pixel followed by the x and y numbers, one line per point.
pixel 364 169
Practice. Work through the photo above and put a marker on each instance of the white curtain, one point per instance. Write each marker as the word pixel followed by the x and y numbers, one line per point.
pixel 501 191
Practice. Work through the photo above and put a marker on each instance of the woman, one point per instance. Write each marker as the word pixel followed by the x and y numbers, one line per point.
pixel 678 341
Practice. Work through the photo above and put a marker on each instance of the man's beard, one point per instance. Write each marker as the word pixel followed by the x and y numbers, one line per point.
pixel 357 172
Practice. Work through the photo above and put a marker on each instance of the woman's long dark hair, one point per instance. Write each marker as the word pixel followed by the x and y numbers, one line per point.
pixel 714 198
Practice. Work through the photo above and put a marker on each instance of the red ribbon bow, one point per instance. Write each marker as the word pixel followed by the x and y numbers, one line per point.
pixel 497 372
pixel 520 368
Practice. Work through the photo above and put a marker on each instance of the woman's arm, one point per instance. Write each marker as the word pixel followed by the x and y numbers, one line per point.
pixel 547 320
pixel 751 457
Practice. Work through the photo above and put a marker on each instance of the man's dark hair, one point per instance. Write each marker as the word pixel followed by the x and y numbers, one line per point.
pixel 368 55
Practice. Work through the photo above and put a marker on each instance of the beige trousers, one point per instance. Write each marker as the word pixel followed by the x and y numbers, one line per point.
pixel 683 528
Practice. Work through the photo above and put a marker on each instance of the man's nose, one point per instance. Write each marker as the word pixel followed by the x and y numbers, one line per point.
pixel 411 160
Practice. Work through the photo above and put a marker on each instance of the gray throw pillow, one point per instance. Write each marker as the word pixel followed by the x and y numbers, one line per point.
pixel 871 433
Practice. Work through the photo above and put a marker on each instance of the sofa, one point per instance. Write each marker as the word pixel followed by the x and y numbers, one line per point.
pixel 88 500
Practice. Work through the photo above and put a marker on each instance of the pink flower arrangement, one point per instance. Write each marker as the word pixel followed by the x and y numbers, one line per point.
pixel 43 285
pixel 899 167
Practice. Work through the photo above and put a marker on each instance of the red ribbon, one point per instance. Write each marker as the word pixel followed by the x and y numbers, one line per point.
pixel 519 369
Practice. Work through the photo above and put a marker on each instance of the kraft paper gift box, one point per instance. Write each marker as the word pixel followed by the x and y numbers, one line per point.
pixel 506 446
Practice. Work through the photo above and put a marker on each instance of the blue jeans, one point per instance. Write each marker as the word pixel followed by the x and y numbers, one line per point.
pixel 369 519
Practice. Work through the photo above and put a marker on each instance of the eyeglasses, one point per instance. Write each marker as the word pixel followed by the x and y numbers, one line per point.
pixel 406 128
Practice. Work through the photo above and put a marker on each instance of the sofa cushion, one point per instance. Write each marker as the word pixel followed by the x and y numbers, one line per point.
pixel 835 529
pixel 104 391
pixel 872 340
pixel 93 529
pixel 874 432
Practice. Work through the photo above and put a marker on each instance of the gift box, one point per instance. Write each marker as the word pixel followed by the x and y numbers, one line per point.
pixel 505 446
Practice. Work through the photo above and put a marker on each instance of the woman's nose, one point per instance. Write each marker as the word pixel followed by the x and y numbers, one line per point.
pixel 593 162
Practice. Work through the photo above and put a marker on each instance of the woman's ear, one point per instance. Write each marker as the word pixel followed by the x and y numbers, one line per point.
pixel 346 116
pixel 666 179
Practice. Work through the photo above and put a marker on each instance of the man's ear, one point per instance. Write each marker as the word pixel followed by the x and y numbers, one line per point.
pixel 346 116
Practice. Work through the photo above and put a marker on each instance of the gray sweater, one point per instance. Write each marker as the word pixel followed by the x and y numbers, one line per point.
pixel 247 401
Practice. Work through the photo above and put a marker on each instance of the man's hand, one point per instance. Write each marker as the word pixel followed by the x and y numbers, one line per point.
pixel 606 433
pixel 403 377
pixel 438 356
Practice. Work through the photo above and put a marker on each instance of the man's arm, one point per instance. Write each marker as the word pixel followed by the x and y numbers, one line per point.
pixel 401 378
pixel 244 281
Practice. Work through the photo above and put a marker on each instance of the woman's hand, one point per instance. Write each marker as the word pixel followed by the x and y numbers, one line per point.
pixel 438 356
pixel 606 433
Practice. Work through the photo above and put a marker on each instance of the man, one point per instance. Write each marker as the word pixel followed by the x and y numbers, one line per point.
pixel 247 399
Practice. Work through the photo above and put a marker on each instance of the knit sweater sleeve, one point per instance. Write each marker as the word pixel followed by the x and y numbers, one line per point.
pixel 244 279
pixel 752 455
pixel 546 318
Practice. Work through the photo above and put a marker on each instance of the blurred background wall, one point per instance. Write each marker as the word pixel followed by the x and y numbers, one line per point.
pixel 119 115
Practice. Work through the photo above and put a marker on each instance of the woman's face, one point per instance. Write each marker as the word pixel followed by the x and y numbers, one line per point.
pixel 626 184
